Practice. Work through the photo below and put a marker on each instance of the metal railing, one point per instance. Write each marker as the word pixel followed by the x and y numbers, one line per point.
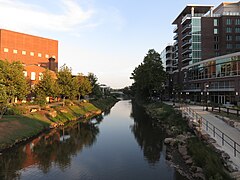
pixel 211 129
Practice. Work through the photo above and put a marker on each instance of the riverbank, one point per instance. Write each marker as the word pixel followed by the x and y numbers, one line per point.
pixel 22 125
pixel 191 156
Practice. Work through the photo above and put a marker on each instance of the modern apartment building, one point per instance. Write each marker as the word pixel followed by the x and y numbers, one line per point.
pixel 207 46
pixel 36 53
pixel 168 60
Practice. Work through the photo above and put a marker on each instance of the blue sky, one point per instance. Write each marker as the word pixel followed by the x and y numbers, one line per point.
pixel 106 37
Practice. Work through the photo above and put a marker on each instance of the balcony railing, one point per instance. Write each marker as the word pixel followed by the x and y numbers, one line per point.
pixel 175 29
pixel 187 16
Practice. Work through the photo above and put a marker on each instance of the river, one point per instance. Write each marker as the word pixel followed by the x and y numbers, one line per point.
pixel 122 144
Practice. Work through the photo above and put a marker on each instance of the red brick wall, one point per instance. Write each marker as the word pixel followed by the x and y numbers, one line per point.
pixel 29 43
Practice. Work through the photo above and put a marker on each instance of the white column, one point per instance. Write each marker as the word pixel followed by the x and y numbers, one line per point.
pixel 192 11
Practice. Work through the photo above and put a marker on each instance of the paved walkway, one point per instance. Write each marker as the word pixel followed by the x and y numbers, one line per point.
pixel 231 132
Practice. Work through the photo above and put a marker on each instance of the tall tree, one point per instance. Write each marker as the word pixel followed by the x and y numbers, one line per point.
pixel 67 84
pixel 95 86
pixel 85 86
pixel 47 87
pixel 149 76
pixel 12 81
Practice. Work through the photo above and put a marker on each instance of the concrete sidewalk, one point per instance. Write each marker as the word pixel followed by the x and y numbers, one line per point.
pixel 231 132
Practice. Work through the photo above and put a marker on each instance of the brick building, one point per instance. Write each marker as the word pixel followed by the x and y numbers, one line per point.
pixel 36 53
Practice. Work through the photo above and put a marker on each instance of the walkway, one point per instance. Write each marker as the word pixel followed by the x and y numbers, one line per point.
pixel 229 131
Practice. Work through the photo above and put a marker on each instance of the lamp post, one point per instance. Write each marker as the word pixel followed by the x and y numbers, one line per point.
pixel 237 97
pixel 173 93
pixel 207 93
pixel 202 100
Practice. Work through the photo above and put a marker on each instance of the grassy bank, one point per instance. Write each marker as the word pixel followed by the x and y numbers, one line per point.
pixel 202 154
pixel 22 124
pixel 105 103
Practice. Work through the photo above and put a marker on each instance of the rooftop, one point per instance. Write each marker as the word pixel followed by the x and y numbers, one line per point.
pixel 198 9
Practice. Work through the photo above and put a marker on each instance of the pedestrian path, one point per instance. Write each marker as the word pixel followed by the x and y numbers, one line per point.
pixel 227 137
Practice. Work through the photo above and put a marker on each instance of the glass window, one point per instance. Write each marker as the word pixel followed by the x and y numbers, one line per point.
pixel 216 38
pixel 33 76
pixel 215 46
pixel 237 22
pixel 237 30
pixel 47 56
pixel 5 49
pixel 31 53
pixel 228 30
pixel 237 46
pixel 39 55
pixel 237 38
pixel 229 38
pixel 215 31
pixel 25 73
pixel 215 22
pixel 229 46
pixel 24 53
pixel 14 51
pixel 229 22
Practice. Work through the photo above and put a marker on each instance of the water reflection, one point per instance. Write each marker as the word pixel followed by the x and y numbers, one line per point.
pixel 148 134
pixel 55 148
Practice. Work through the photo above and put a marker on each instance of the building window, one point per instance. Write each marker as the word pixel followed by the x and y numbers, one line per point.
pixel 229 21
pixel 33 76
pixel 229 38
pixel 237 38
pixel 25 73
pixel 215 22
pixel 24 52
pixel 14 51
pixel 237 30
pixel 217 53
pixel 215 46
pixel 47 56
pixel 54 57
pixel 216 38
pixel 39 55
pixel 40 76
pixel 229 46
pixel 215 31
pixel 5 49
pixel 229 30
pixel 31 53
pixel 237 46
pixel 237 22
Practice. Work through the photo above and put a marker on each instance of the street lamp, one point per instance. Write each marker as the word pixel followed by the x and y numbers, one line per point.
pixel 237 97
pixel 207 93
pixel 173 93
pixel 202 100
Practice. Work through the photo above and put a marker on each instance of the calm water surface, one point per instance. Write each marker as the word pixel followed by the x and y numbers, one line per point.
pixel 123 144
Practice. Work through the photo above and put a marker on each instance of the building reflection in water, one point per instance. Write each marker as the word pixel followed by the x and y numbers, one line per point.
pixel 54 148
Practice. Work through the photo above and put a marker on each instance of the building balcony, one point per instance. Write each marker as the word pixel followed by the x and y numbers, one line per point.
pixel 221 89
pixel 186 59
pixel 187 28
pixel 186 43
pixel 169 51
pixel 169 65
pixel 175 43
pixel 186 36
pixel 186 51
pixel 175 29
pixel 175 37
pixel 186 18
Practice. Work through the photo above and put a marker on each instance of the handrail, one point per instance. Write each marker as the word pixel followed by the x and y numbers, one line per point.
pixel 204 121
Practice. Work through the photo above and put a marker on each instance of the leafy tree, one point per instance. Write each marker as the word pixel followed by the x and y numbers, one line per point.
pixel 95 86
pixel 149 76
pixel 47 87
pixel 84 85
pixel 67 84
pixel 13 81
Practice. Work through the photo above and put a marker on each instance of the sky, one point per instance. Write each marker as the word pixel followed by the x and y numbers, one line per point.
pixel 106 37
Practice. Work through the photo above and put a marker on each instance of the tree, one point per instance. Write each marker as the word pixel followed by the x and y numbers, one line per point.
pixel 95 86
pixel 149 76
pixel 67 84
pixel 13 80
pixel 84 85
pixel 47 87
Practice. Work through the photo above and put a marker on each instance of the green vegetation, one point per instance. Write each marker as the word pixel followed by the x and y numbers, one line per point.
pixel 168 116
pixel 149 77
pixel 205 157
pixel 104 103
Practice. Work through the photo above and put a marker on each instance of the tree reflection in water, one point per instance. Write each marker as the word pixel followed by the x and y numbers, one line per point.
pixel 54 148
pixel 148 134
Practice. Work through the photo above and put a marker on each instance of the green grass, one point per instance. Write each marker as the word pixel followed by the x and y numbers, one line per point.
pixel 205 157
pixel 104 103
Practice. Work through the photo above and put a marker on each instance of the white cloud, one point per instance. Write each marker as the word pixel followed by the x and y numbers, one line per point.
pixel 16 15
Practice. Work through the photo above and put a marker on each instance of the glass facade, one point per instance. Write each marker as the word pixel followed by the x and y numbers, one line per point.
pixel 196 40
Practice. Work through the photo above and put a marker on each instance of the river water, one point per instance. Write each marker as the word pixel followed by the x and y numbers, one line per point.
pixel 122 144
